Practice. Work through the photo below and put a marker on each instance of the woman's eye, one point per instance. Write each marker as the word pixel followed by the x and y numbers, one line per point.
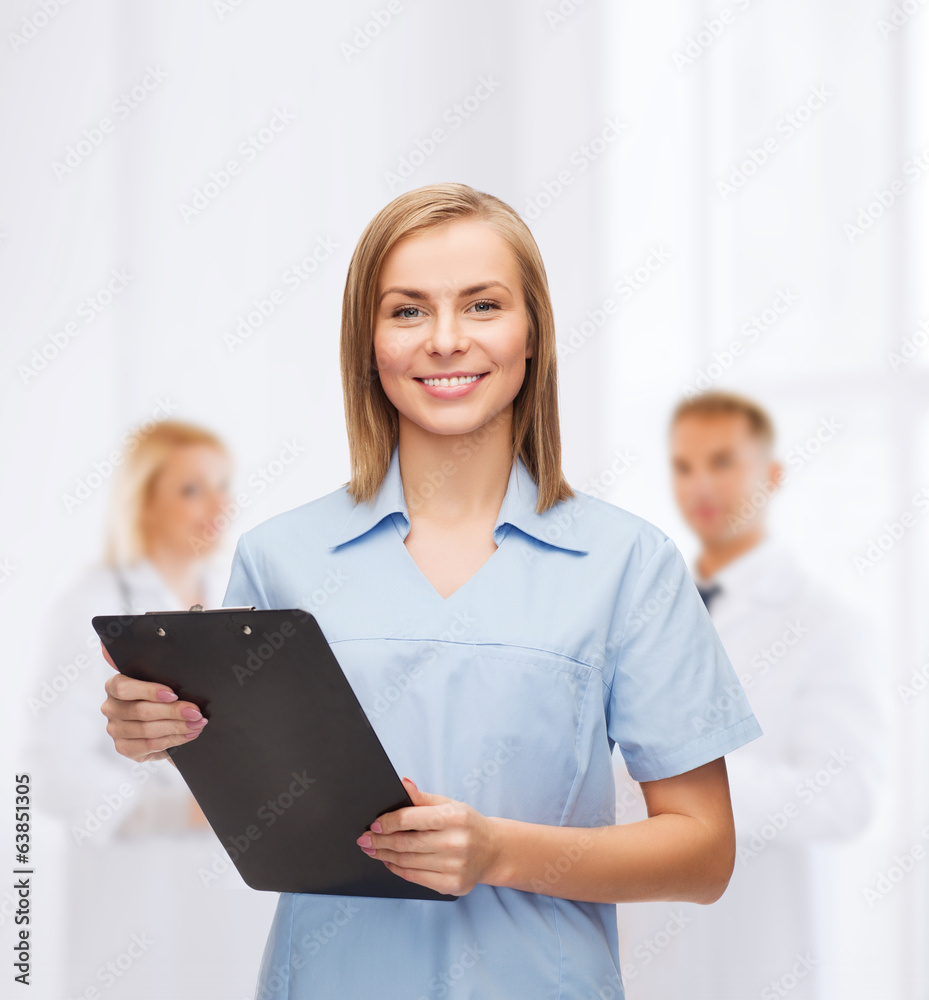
pixel 402 312
pixel 190 490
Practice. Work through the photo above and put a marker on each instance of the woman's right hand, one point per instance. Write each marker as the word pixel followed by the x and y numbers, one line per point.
pixel 145 718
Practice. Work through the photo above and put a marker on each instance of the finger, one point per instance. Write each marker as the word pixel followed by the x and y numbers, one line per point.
pixel 150 711
pixel 150 717
pixel 427 842
pixel 107 657
pixel 129 729
pixel 413 818
pixel 431 880
pixel 414 860
pixel 145 749
pixel 420 798
pixel 125 688
pixel 146 720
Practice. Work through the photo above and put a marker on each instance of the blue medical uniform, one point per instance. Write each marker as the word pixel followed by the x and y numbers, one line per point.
pixel 582 630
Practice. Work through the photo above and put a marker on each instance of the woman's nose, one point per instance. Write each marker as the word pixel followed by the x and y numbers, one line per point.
pixel 218 500
pixel 447 333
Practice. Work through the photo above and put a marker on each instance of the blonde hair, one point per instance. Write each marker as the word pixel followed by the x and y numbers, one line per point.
pixel 371 419
pixel 710 404
pixel 144 456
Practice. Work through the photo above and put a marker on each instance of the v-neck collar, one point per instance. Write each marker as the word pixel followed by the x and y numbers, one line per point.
pixel 557 526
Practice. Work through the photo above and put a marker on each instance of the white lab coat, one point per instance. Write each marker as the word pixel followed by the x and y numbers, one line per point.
pixel 809 667
pixel 142 889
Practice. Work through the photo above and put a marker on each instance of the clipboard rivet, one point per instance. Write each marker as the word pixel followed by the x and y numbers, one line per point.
pixel 160 631
pixel 247 629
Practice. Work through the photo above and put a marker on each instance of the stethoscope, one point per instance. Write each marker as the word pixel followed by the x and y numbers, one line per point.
pixel 124 591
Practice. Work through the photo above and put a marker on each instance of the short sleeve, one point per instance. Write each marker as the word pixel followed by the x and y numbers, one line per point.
pixel 675 701
pixel 245 588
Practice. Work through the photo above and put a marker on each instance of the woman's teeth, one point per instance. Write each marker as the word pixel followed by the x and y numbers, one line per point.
pixel 455 380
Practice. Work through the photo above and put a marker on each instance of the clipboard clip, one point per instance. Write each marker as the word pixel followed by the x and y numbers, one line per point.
pixel 206 611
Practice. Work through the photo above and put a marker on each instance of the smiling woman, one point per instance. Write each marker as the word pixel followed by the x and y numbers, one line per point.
pixel 489 631
pixel 494 331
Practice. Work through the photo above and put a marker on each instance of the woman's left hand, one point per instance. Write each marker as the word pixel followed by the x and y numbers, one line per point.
pixel 437 842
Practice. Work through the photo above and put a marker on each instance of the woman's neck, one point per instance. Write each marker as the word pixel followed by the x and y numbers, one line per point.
pixel 453 478
pixel 183 574
pixel 715 556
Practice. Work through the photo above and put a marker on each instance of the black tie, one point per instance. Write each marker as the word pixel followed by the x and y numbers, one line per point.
pixel 708 593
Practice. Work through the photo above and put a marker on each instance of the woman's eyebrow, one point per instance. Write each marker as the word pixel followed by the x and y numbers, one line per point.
pixel 413 293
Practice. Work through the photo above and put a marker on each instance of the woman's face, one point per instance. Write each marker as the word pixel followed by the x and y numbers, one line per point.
pixel 450 304
pixel 189 493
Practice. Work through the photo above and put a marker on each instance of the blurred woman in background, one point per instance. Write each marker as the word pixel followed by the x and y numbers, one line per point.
pixel 192 928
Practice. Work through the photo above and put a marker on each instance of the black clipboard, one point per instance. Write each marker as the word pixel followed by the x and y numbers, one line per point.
pixel 289 771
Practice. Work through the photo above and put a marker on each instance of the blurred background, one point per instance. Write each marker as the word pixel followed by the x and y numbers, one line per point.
pixel 183 186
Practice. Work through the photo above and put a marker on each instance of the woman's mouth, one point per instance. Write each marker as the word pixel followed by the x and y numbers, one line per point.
pixel 451 388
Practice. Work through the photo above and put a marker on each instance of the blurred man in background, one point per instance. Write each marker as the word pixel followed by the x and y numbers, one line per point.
pixel 810 671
